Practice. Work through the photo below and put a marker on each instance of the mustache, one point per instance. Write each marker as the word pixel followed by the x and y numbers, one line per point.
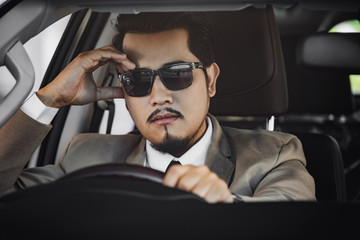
pixel 161 110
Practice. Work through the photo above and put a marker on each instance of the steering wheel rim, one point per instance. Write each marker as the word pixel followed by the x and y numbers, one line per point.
pixel 137 182
pixel 118 171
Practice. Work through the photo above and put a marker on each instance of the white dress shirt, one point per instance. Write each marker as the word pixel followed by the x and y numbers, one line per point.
pixel 37 110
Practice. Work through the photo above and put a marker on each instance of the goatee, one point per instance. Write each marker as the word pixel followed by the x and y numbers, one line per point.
pixel 173 145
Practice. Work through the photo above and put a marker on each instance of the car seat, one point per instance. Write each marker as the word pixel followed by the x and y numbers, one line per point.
pixel 320 65
pixel 253 82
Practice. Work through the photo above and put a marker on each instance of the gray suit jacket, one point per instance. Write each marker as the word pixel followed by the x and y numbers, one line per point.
pixel 257 165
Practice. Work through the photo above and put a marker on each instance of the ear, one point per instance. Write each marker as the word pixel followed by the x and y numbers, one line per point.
pixel 213 72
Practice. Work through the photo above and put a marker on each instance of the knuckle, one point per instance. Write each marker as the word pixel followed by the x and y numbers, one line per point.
pixel 176 170
pixel 223 186
pixel 182 184
pixel 222 183
pixel 199 192
pixel 204 168
pixel 212 176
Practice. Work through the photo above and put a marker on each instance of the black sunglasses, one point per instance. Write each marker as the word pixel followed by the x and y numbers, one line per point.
pixel 175 77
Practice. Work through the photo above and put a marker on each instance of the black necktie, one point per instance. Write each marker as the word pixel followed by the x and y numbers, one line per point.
pixel 172 163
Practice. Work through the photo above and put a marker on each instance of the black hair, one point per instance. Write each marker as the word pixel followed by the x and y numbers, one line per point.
pixel 197 25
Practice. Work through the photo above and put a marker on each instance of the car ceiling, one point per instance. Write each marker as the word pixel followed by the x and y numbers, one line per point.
pixel 300 16
pixel 191 5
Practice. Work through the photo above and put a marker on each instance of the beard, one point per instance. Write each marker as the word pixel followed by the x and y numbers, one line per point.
pixel 173 145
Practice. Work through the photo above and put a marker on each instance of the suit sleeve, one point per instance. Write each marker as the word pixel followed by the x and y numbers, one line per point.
pixel 287 179
pixel 19 138
pixel 30 177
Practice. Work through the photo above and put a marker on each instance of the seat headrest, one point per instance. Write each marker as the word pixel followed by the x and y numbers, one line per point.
pixel 252 79
pixel 339 51
pixel 315 90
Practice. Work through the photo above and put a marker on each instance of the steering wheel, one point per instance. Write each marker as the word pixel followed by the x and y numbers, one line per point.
pixel 119 171
pixel 96 202
pixel 108 180
pixel 126 201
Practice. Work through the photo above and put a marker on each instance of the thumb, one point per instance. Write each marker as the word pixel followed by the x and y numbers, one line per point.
pixel 104 93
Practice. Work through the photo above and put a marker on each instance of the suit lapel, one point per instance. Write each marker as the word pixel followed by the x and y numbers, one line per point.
pixel 219 158
pixel 138 155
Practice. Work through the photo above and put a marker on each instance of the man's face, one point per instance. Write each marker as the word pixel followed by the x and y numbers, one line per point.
pixel 174 119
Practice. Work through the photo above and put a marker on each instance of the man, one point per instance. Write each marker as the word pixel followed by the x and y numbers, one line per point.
pixel 167 76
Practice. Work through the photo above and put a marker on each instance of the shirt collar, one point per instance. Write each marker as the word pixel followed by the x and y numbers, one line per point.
pixel 195 156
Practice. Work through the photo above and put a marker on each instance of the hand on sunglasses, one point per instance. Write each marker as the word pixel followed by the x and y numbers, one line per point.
pixel 75 84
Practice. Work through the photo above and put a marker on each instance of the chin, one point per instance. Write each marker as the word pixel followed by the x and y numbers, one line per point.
pixel 176 146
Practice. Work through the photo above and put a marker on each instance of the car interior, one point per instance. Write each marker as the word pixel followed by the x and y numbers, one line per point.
pixel 281 70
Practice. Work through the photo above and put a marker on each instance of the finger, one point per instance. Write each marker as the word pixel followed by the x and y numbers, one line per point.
pixel 104 93
pixel 211 187
pixel 124 68
pixel 117 57
pixel 109 52
pixel 128 65
pixel 192 177
pixel 174 174
pixel 93 59
pixel 202 187
pixel 218 192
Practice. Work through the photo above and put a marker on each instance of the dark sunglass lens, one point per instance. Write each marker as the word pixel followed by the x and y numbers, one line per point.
pixel 137 83
pixel 177 77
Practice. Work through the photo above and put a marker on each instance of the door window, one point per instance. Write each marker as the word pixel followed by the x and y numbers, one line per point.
pixel 351 26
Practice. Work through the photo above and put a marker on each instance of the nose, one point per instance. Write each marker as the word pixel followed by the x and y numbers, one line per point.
pixel 160 95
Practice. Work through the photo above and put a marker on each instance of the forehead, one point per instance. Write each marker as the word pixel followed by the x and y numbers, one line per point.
pixel 151 50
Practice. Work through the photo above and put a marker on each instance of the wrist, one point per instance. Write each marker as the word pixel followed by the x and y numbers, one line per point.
pixel 48 99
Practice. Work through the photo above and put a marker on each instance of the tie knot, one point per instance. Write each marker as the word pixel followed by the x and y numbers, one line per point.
pixel 172 163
